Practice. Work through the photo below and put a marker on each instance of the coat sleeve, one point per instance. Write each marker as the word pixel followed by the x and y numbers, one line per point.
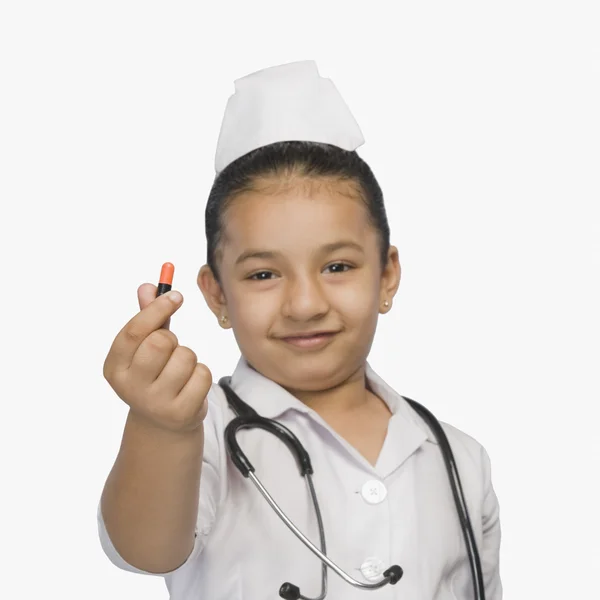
pixel 490 550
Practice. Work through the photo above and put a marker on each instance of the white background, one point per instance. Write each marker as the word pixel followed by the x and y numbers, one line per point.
pixel 482 125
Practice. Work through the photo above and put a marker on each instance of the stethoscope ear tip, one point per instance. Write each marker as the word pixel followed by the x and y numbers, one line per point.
pixel 394 574
pixel 289 591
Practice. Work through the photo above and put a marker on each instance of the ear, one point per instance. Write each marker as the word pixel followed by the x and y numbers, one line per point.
pixel 212 292
pixel 390 279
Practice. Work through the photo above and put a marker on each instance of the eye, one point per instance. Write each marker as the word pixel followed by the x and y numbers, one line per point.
pixel 339 267
pixel 261 276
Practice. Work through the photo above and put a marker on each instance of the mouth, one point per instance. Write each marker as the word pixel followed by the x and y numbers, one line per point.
pixel 315 339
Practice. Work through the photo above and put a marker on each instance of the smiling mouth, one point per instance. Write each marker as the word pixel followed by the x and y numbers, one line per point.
pixel 314 340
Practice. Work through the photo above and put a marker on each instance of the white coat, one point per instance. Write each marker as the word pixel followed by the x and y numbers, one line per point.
pixel 400 511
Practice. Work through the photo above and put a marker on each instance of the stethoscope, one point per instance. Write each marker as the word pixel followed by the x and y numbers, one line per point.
pixel 248 418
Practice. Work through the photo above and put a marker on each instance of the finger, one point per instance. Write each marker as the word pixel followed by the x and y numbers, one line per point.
pixel 164 403
pixel 191 400
pixel 131 336
pixel 146 293
pixel 175 373
pixel 152 356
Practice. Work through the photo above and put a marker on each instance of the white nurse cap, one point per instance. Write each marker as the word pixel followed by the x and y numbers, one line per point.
pixel 289 102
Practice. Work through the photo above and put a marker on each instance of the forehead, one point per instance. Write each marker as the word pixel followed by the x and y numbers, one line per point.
pixel 297 213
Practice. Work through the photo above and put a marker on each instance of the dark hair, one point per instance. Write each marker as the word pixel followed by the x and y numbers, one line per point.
pixel 306 159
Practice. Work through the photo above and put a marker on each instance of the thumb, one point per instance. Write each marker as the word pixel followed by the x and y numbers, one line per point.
pixel 146 294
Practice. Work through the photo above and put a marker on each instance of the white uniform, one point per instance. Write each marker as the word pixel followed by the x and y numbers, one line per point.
pixel 400 511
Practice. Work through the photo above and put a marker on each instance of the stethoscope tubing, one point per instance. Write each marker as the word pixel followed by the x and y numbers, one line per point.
pixel 309 544
pixel 459 497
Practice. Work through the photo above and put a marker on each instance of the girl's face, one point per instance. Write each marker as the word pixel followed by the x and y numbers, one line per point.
pixel 298 261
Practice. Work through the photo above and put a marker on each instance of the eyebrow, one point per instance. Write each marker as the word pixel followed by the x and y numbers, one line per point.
pixel 325 249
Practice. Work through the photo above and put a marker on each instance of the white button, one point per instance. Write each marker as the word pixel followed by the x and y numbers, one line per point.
pixel 374 492
pixel 372 568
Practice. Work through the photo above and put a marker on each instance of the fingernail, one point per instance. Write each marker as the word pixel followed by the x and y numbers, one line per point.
pixel 175 297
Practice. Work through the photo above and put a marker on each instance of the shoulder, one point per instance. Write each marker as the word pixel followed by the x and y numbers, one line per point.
pixel 469 453
pixel 457 438
pixel 217 417
pixel 472 460
pixel 219 413
pixel 460 441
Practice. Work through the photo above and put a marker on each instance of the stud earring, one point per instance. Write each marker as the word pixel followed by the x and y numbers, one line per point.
pixel 386 303
pixel 223 319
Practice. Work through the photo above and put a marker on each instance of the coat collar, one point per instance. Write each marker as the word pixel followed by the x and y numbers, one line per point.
pixel 271 400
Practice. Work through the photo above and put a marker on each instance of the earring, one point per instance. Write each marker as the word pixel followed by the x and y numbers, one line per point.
pixel 223 319
pixel 386 303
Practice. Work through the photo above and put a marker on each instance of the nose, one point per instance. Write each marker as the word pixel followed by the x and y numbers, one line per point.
pixel 305 299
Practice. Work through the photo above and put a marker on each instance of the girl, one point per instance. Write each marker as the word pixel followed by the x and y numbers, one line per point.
pixel 300 267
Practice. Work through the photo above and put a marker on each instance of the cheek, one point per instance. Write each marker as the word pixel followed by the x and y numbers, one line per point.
pixel 357 299
pixel 252 311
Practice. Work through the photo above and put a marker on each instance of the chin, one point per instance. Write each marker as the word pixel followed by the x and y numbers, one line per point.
pixel 312 375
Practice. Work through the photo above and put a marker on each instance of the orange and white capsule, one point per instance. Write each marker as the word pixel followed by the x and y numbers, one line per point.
pixel 166 279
